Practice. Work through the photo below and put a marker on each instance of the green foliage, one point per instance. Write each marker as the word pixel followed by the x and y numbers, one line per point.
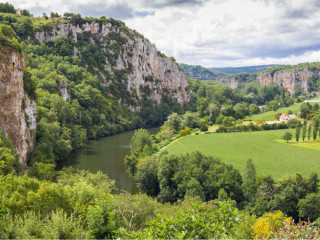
pixel 57 225
pixel 201 73
pixel 135 210
pixel 298 230
pixel 102 219
pixel 287 136
pixel 25 28
pixel 29 84
pixel 174 121
pixel 310 206
pixel 201 221
pixel 43 171
pixel 176 176
pixel 140 140
pixel 7 8
pixel 9 162
pixel 63 46
pixel 25 12
pixel 8 37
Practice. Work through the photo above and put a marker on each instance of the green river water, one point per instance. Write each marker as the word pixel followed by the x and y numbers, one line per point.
pixel 107 155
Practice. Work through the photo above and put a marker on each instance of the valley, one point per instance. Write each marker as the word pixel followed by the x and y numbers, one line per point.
pixel 104 135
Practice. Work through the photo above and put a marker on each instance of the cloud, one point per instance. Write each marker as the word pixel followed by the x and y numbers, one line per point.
pixel 214 33
pixel 171 3
pixel 234 33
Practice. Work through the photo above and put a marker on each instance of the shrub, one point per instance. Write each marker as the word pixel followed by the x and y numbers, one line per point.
pixel 267 225
pixel 182 133
pixel 203 127
pixel 301 230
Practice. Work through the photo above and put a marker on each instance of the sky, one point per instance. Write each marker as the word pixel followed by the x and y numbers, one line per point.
pixel 211 33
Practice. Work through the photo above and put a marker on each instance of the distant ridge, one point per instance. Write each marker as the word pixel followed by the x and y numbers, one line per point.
pixel 201 73
pixel 248 69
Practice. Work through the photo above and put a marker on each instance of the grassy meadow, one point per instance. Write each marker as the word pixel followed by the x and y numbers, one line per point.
pixel 270 116
pixel 270 154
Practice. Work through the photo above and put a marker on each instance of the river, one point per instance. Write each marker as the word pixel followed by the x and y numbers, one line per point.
pixel 107 155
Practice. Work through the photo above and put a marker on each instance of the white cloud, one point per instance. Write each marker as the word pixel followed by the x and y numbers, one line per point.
pixel 235 32
pixel 213 33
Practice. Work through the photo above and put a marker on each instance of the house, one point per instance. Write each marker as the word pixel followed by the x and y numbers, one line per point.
pixel 293 116
pixel 284 117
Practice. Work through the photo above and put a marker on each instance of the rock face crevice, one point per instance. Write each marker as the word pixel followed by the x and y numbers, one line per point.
pixel 17 109
pixel 145 67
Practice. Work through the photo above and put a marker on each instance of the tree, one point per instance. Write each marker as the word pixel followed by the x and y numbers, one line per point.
pixel 315 128
pixel 25 28
pixel 277 116
pixel 304 130
pixel 249 184
pixel 228 121
pixel 287 136
pixel 190 119
pixel 174 121
pixel 7 8
pixel 273 105
pixel 63 46
pixel 102 219
pixel 25 12
pixel 304 110
pixel 309 131
pixel 254 109
pixel 140 139
pixel 213 111
pixel 298 130
pixel 250 170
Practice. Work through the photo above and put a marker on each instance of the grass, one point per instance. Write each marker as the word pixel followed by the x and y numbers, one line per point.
pixel 270 154
pixel 270 116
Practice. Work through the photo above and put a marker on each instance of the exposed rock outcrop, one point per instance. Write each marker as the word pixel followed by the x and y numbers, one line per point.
pixel 231 82
pixel 288 79
pixel 63 88
pixel 17 109
pixel 147 70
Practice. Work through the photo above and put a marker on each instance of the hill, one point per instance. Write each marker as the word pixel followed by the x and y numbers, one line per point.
pixel 201 73
pixel 248 69
pixel 91 78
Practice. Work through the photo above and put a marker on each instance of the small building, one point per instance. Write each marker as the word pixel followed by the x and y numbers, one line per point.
pixel 18 12
pixel 284 117
pixel 293 116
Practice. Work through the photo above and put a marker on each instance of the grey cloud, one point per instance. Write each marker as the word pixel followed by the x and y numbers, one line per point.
pixel 171 3
pixel 97 10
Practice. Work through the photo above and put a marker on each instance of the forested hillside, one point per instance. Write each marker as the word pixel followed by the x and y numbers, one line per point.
pixel 66 80
pixel 200 73
pixel 92 78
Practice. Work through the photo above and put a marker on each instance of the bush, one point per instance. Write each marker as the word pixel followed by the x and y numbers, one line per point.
pixel 182 133
pixel 301 230
pixel 102 219
pixel 267 225
pixel 203 127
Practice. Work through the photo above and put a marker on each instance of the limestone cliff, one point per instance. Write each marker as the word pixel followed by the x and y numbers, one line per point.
pixel 135 62
pixel 17 109
pixel 288 79
pixel 230 81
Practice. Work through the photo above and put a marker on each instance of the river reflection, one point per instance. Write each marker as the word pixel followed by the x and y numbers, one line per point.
pixel 107 155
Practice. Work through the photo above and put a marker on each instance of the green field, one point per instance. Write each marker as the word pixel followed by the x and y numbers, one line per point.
pixel 270 116
pixel 270 154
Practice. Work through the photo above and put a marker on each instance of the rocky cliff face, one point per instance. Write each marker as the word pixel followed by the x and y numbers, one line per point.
pixel 288 79
pixel 17 109
pixel 231 82
pixel 147 71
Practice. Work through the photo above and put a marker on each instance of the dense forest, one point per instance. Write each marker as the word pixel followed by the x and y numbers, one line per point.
pixel 181 195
